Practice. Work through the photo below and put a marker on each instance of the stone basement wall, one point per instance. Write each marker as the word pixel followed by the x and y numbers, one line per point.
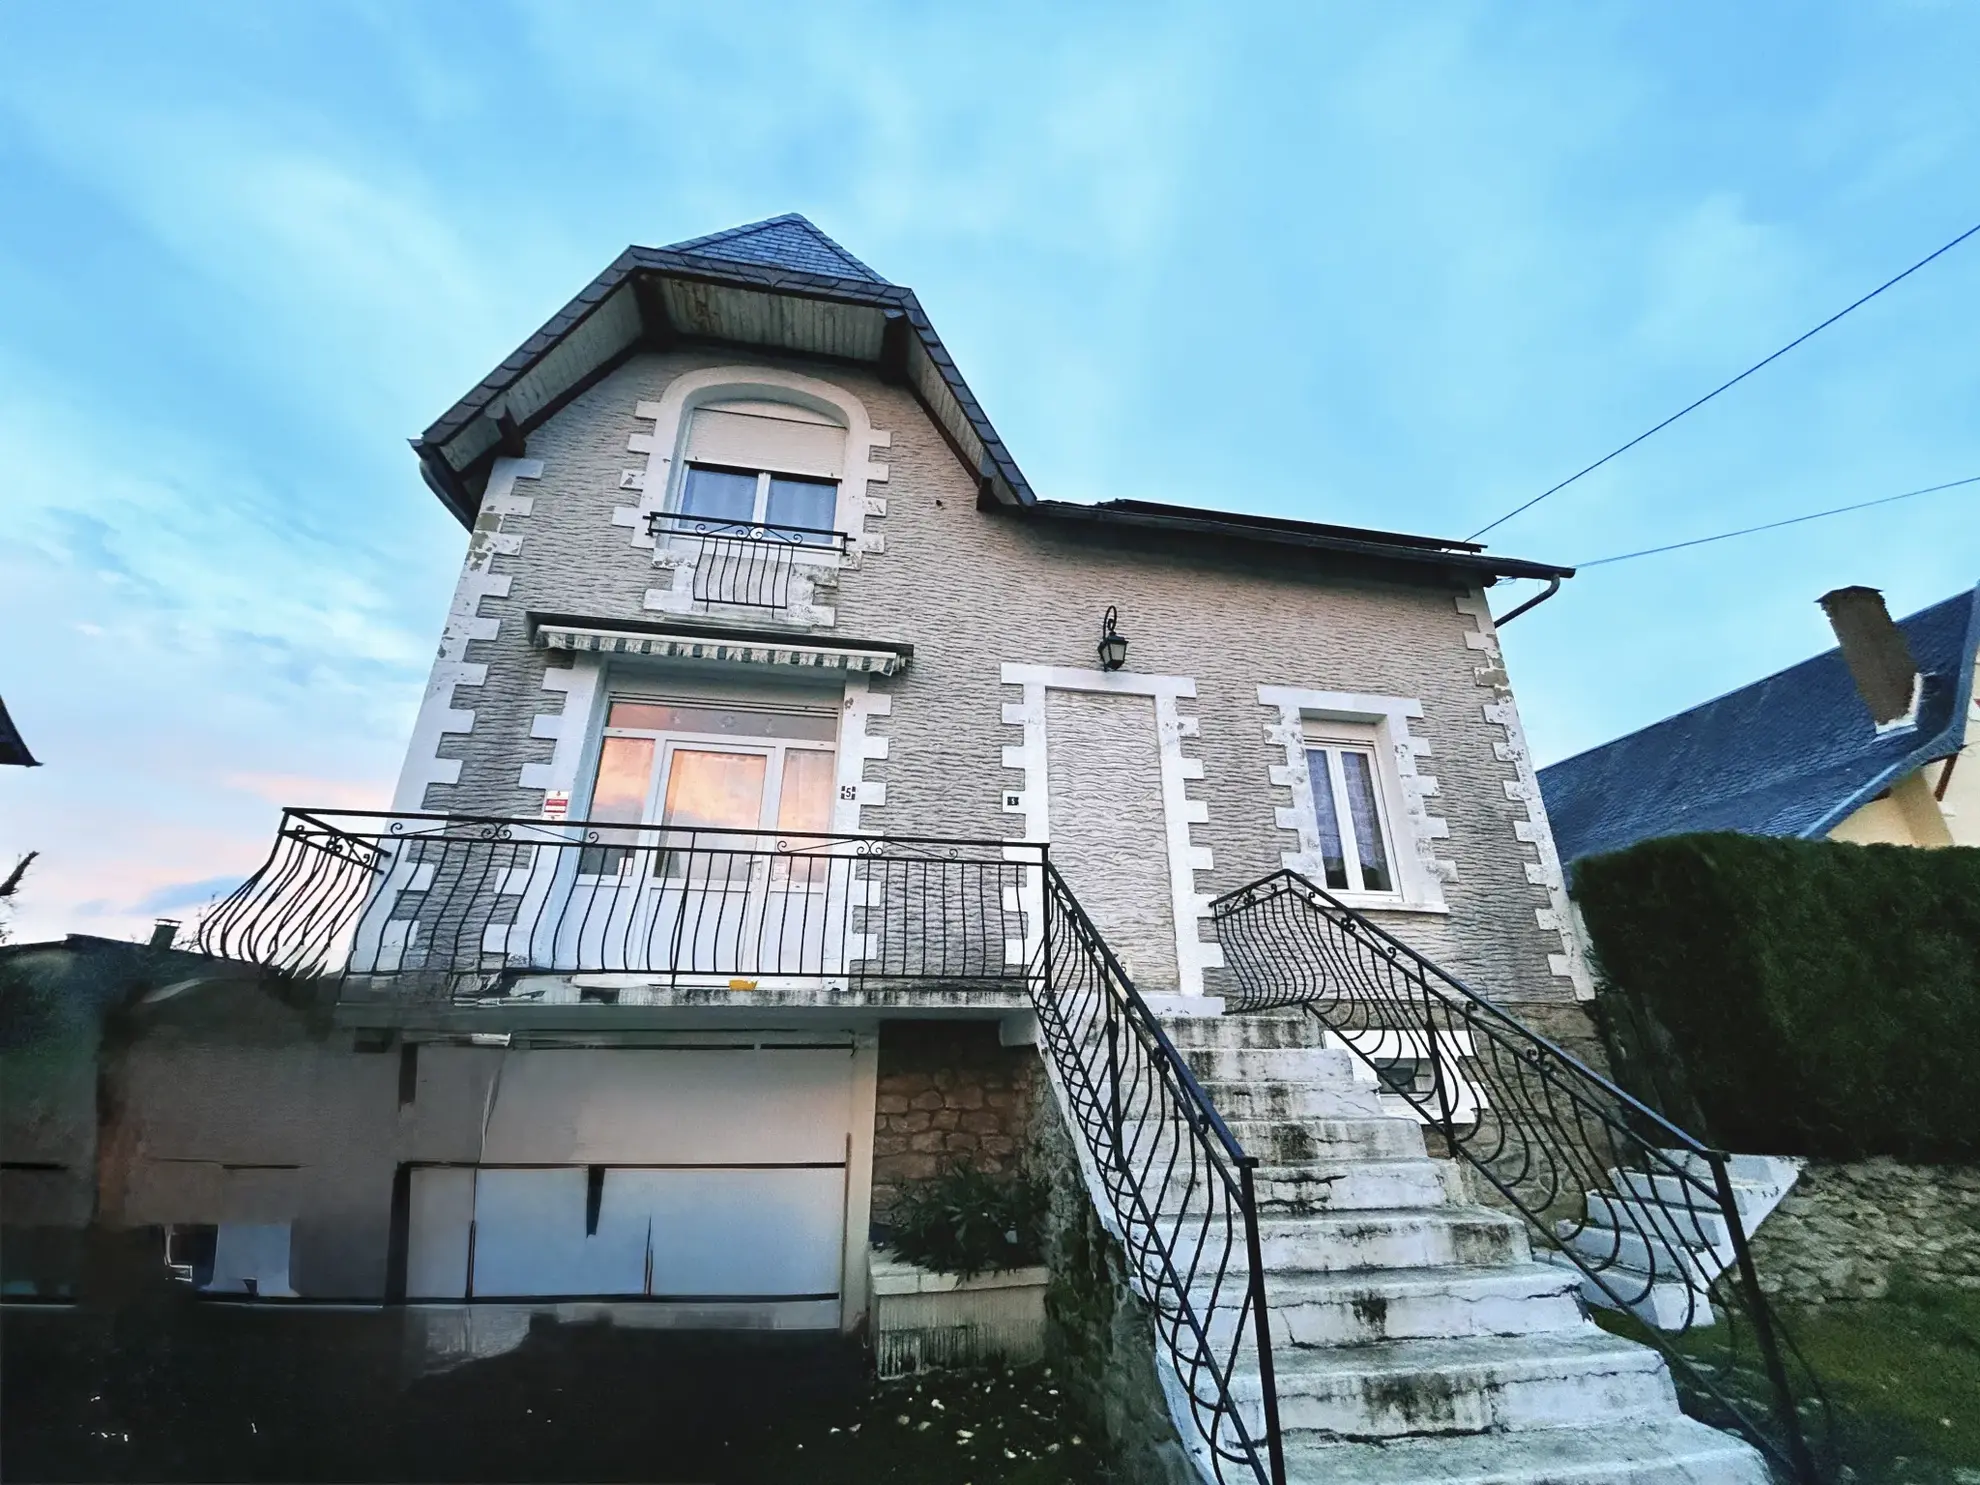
pixel 1098 1333
pixel 1847 1229
pixel 948 1093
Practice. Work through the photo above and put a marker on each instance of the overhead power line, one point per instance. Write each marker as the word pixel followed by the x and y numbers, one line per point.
pixel 1726 386
pixel 1776 525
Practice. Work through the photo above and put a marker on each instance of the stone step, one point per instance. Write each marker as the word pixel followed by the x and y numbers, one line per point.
pixel 1573 1378
pixel 1267 1098
pixel 1690 1226
pixel 1665 1302
pixel 1356 1185
pixel 1244 1031
pixel 1749 1200
pixel 1418 1238
pixel 1668 1451
pixel 1322 1065
pixel 1602 1249
pixel 1364 1308
pixel 1327 1141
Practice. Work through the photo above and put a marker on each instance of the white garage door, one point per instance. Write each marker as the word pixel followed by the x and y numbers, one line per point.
pixel 706 1177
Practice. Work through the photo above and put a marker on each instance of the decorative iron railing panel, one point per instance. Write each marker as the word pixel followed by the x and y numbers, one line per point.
pixel 1555 1140
pixel 475 902
pixel 1179 1185
pixel 744 564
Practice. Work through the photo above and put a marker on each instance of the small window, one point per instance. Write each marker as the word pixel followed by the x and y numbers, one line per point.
pixel 754 497
pixel 1355 851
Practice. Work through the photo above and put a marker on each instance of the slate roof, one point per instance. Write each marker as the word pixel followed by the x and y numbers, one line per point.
pixel 12 748
pixel 788 241
pixel 1791 755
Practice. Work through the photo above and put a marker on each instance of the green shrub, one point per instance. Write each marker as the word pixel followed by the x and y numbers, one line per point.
pixel 966 1221
pixel 1797 997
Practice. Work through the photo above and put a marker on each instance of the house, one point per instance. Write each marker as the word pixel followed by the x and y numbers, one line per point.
pixel 1863 743
pixel 794 797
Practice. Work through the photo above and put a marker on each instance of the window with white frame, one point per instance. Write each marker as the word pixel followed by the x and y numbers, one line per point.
pixel 757 497
pixel 707 774
pixel 755 463
pixel 1356 839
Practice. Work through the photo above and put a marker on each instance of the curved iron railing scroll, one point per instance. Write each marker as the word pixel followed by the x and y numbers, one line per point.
pixel 1554 1140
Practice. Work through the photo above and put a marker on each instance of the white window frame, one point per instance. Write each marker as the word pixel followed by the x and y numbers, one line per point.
pixel 1382 724
pixel 666 742
pixel 1331 739
pixel 760 509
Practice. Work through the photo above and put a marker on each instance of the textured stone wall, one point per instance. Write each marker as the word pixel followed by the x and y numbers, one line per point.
pixel 948 1093
pixel 973 590
pixel 1847 1229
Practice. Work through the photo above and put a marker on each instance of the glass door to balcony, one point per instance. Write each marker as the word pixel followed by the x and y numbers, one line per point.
pixel 712 873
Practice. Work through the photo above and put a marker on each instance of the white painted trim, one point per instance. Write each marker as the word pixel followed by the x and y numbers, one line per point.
pixel 663 450
pixel 855 1280
pixel 1420 875
pixel 1187 905
pixel 438 715
pixel 1557 918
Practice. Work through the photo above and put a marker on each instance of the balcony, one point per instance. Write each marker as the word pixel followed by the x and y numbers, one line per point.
pixel 477 909
pixel 744 564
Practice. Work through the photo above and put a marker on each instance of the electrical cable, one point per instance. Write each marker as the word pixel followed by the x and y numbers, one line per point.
pixel 1776 525
pixel 1726 386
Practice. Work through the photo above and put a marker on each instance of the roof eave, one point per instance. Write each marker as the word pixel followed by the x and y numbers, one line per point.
pixel 1413 552
pixel 932 376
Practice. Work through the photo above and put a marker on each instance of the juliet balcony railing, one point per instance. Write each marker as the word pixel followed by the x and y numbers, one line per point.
pixel 478 904
pixel 744 564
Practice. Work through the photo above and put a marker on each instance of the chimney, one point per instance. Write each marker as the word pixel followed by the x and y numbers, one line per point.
pixel 163 932
pixel 1874 649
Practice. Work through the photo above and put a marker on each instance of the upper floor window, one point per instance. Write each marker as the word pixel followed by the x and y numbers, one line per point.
pixel 755 497
pixel 1356 842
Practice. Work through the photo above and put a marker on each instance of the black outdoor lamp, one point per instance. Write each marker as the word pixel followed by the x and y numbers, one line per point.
pixel 1113 644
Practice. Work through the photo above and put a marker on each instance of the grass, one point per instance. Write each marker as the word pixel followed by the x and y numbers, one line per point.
pixel 1902 1375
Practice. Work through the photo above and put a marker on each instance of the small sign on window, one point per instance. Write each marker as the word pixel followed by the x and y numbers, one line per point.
pixel 556 804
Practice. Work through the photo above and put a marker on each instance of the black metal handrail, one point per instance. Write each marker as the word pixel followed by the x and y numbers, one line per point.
pixel 1553 1138
pixel 477 902
pixel 1180 1187
pixel 745 564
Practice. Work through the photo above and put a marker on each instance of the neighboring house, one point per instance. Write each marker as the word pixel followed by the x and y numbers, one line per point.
pixel 709 905
pixel 1867 742
pixel 12 748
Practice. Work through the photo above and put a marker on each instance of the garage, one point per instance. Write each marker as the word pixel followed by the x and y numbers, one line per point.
pixel 729 1183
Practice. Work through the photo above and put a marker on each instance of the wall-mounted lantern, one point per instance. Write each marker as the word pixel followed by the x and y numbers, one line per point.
pixel 1113 644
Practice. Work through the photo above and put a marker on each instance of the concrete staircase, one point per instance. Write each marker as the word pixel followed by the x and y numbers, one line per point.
pixel 1660 1245
pixel 1416 1340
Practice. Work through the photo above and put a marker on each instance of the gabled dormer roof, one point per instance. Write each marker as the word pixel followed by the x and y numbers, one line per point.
pixel 788 241
pixel 780 285
pixel 1794 754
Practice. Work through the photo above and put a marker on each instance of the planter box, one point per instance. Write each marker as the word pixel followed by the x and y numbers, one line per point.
pixel 923 1319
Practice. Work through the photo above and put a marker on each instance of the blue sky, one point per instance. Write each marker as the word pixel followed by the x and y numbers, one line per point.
pixel 1392 266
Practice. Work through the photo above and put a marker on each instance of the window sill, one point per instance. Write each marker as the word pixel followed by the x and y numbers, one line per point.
pixel 1384 902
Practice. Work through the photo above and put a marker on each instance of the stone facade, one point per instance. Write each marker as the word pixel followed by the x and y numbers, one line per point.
pixel 974 591
pixel 1846 1230
pixel 948 1094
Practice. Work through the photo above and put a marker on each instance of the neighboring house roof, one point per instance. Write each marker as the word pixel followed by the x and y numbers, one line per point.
pixel 783 285
pixel 1792 755
pixel 12 748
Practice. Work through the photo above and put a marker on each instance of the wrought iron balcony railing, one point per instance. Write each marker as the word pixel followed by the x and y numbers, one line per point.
pixel 474 903
pixel 744 564
pixel 480 901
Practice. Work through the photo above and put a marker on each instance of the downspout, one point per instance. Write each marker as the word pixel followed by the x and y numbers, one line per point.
pixel 1553 587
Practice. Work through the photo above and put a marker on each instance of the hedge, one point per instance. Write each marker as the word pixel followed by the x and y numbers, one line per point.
pixel 1794 997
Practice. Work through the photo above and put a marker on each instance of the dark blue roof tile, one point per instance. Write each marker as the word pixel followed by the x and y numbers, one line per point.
pixel 1790 755
pixel 788 241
